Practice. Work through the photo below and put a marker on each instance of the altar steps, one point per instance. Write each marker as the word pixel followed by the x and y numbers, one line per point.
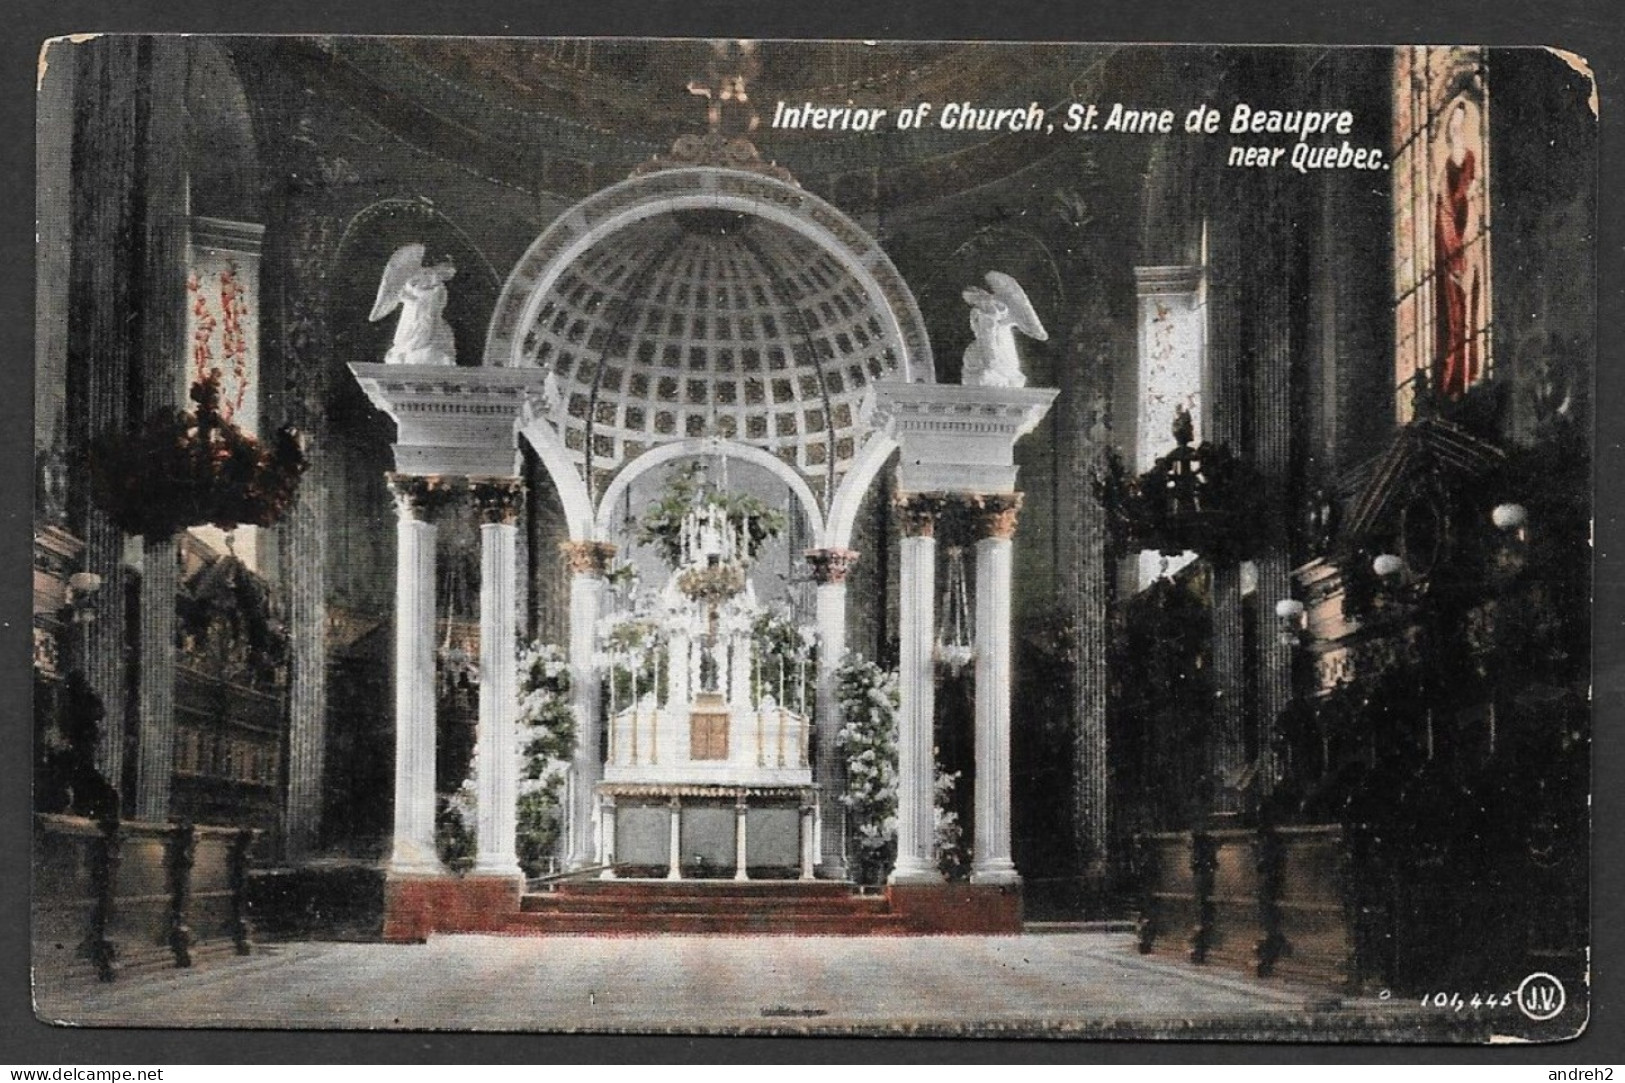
pixel 646 907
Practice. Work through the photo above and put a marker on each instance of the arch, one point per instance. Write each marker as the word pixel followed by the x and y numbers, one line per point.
pixel 691 447
pixel 699 188
pixel 222 153
pixel 420 205
pixel 843 510
pixel 578 515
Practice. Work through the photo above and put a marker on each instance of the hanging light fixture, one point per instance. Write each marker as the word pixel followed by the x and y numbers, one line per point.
pixel 1388 565
pixel 954 649
pixel 1289 620
pixel 1509 517
pixel 456 664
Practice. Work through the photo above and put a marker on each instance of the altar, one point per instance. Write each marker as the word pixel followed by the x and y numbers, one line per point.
pixel 707 770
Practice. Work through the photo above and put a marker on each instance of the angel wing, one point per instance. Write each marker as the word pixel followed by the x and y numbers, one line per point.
pixel 977 297
pixel 1022 314
pixel 406 262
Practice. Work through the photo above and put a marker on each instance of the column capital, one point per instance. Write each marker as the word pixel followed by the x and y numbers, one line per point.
pixel 498 500
pixel 587 557
pixel 831 565
pixel 993 515
pixel 417 496
pixel 918 513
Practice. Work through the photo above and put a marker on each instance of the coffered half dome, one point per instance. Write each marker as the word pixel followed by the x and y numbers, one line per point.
pixel 704 318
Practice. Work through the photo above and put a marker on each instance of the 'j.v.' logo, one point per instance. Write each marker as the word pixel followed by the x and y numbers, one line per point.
pixel 1540 996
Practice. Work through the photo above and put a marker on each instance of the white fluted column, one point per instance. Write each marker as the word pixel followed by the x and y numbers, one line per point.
pixel 588 562
pixel 677 671
pixel 741 839
pixel 497 769
pixel 996 520
pixel 809 823
pixel 916 762
pixel 674 851
pixel 412 851
pixel 830 568
pixel 606 836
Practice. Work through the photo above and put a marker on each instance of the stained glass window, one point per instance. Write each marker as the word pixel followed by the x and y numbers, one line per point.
pixel 1442 325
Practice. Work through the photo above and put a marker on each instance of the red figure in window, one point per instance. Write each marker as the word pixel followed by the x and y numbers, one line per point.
pixel 1457 289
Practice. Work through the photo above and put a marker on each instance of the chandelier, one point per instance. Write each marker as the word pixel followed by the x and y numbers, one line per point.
pixel 954 650
pixel 1199 497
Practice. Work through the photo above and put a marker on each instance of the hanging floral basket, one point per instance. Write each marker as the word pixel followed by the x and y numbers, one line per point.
pixel 712 584
pixel 688 492
pixel 182 469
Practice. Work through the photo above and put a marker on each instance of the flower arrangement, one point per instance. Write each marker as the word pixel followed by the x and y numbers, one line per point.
pixel 712 585
pixel 952 858
pixel 786 658
pixel 192 468
pixel 628 649
pixel 868 740
pixel 751 521
pixel 548 720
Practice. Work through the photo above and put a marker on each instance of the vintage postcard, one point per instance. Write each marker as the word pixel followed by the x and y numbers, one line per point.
pixel 813 537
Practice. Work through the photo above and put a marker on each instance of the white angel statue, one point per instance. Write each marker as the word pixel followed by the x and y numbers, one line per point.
pixel 991 359
pixel 423 337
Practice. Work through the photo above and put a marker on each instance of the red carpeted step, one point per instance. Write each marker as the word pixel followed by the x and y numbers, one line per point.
pixel 750 889
pixel 628 924
pixel 649 907
pixel 681 904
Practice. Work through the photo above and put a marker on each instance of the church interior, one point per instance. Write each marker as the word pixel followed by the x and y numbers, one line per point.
pixel 514 485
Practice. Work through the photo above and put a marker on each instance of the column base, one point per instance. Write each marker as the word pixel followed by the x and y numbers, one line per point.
pixel 995 872
pixel 416 907
pixel 957 909
pixel 832 870
pixel 497 865
pixel 608 873
pixel 408 858
pixel 915 871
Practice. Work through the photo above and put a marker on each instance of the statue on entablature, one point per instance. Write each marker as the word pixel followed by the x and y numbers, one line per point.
pixel 423 337
pixel 991 359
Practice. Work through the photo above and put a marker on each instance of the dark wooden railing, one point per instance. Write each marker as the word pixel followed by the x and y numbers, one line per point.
pixel 1270 901
pixel 111 895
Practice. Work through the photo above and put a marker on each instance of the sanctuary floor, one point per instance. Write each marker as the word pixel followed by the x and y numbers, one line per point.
pixel 1055 984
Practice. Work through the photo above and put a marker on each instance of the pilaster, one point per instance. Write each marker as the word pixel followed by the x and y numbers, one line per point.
pixel 101 348
pixel 303 561
pixel 162 183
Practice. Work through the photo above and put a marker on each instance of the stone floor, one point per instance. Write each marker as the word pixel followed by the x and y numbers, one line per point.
pixel 1071 984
